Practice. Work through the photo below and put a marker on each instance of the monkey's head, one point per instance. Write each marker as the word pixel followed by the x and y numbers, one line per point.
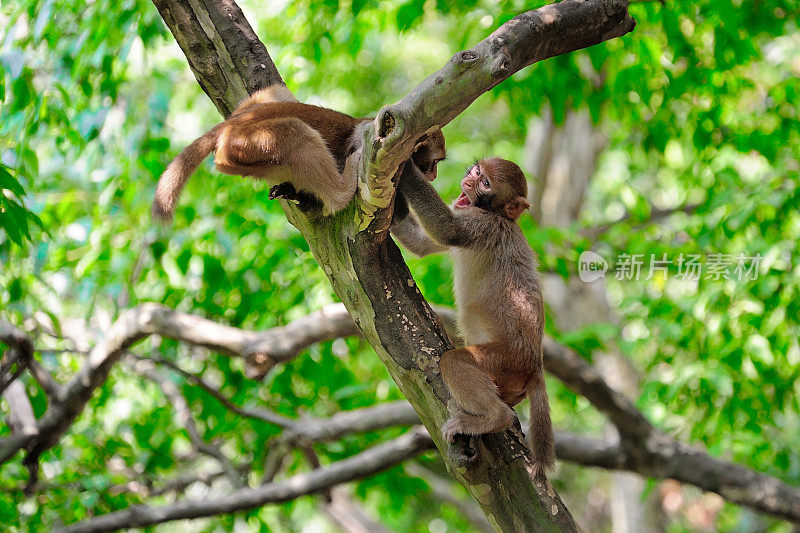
pixel 496 185
pixel 428 152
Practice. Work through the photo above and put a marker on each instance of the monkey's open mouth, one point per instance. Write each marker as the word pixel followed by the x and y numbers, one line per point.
pixel 463 201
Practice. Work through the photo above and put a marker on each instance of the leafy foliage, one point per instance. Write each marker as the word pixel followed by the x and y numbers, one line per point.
pixel 699 107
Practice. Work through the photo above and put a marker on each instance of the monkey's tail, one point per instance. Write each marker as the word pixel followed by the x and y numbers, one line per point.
pixel 273 93
pixel 178 173
pixel 540 433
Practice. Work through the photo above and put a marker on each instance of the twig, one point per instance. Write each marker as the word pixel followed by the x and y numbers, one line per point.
pixel 263 415
pixel 181 407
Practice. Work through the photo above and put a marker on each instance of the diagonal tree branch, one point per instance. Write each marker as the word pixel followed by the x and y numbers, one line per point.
pixel 533 36
pixel 358 466
pixel 223 51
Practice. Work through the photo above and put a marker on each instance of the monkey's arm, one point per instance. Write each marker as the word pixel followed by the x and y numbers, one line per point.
pixel 435 216
pixel 413 238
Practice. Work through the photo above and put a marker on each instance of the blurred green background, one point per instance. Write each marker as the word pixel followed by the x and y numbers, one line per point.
pixel 693 123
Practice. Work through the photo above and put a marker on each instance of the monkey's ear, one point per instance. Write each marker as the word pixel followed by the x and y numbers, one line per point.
pixel 515 207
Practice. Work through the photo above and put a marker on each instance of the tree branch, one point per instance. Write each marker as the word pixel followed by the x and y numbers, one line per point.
pixel 533 36
pixel 18 357
pixel 223 51
pixel 643 448
pixel 662 457
pixel 256 413
pixel 358 466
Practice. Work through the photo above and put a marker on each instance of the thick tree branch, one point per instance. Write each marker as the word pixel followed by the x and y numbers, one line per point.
pixel 358 466
pixel 662 457
pixel 223 51
pixel 539 34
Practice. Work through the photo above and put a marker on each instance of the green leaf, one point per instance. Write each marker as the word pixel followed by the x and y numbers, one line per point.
pixel 7 181
pixel 409 13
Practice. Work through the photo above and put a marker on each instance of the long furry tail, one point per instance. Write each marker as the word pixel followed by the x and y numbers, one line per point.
pixel 178 173
pixel 540 433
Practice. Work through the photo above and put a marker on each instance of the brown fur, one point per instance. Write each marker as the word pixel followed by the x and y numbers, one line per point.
pixel 274 137
pixel 498 295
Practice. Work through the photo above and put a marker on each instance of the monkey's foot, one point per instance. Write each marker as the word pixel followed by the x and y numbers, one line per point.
pixel 462 449
pixel 305 201
pixel 283 190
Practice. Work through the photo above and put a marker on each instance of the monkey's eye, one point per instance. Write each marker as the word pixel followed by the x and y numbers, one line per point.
pixel 485 183
pixel 477 170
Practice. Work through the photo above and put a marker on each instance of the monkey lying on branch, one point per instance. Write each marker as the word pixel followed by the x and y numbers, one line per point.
pixel 498 299
pixel 309 152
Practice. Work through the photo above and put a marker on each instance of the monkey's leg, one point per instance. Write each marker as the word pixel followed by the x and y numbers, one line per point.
pixel 285 149
pixel 480 409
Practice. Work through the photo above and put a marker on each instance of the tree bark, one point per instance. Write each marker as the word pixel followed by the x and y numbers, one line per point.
pixel 364 266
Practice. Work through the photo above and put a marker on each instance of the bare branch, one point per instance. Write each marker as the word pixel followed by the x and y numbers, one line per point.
pixel 584 379
pixel 137 323
pixel 21 417
pixel 44 379
pixel 359 466
pixel 16 338
pixel 662 457
pixel 645 450
pixel 380 416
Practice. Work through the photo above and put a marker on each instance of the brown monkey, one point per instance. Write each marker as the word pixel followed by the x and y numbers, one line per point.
pixel 312 152
pixel 498 297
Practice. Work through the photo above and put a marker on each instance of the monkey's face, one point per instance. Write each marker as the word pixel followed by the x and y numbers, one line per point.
pixel 476 189
pixel 495 185
pixel 428 152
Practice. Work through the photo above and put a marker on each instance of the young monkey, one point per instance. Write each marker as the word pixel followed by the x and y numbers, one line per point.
pixel 498 297
pixel 310 151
